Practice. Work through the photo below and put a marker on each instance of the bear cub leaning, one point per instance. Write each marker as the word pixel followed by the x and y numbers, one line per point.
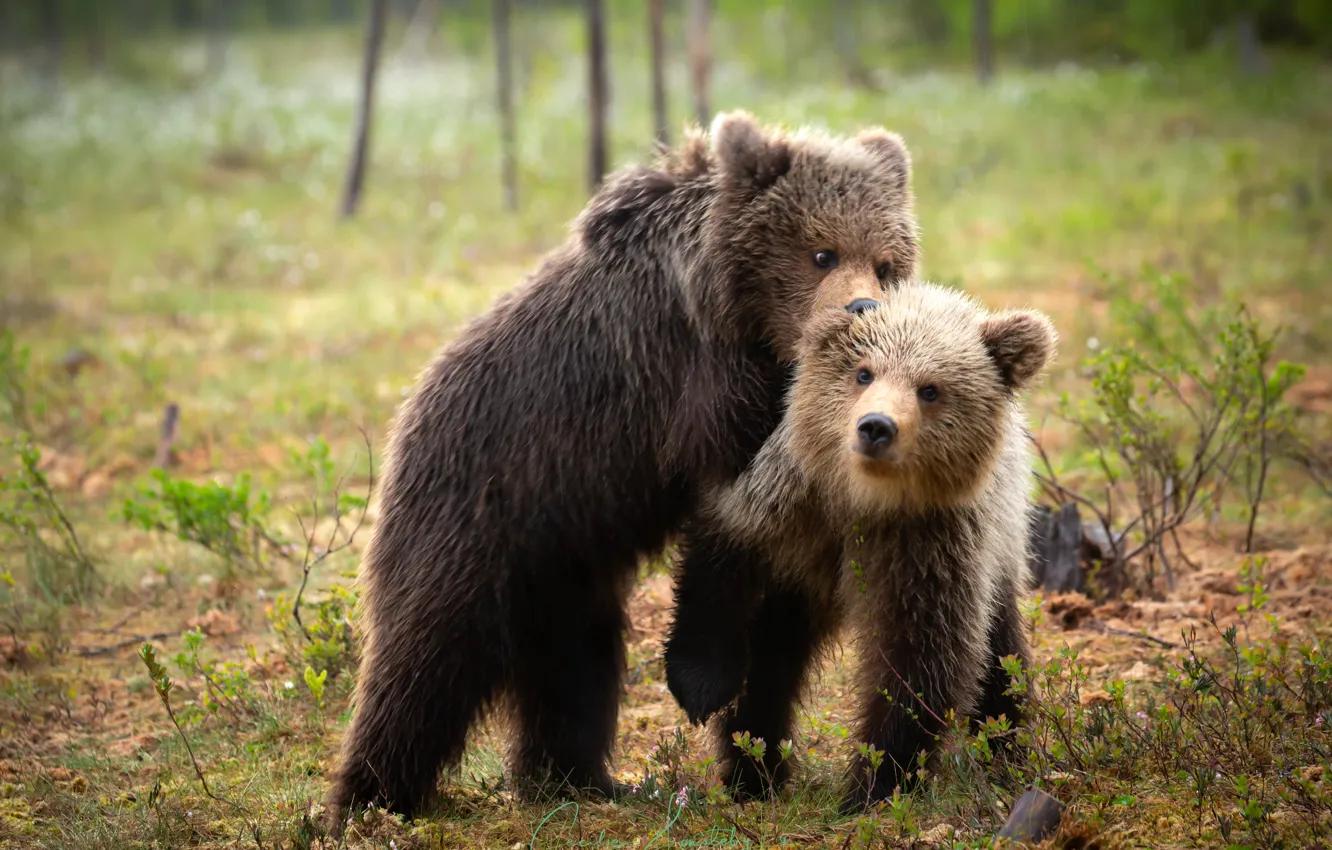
pixel 564 434
pixel 893 499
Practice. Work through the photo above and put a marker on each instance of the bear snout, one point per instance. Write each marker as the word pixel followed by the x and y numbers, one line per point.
pixel 876 433
pixel 860 305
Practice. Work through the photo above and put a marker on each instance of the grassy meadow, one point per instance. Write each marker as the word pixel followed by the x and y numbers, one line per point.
pixel 170 237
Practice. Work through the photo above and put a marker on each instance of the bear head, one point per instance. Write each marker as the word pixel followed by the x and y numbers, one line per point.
pixel 905 406
pixel 801 220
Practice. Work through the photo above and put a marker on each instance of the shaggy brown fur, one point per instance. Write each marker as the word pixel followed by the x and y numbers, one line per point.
pixel 565 433
pixel 892 497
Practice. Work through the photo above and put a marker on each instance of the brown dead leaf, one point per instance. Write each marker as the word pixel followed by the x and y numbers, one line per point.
pixel 1117 609
pixel 96 485
pixel 1137 672
pixel 132 745
pixel 1220 604
pixel 1314 393
pixel 1156 612
pixel 1218 581
pixel 273 455
pixel 63 471
pixel 1299 567
pixel 215 623
pixel 12 651
pixel 1091 698
pixel 1069 609
pixel 67 780
pixel 938 835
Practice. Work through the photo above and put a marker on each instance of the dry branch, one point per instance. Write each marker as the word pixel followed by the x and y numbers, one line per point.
pixel 166 445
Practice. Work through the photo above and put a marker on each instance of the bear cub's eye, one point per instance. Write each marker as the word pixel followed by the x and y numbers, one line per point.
pixel 928 393
pixel 884 272
pixel 864 376
pixel 825 259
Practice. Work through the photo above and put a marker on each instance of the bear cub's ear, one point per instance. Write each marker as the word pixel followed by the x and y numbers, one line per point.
pixel 1021 342
pixel 748 157
pixel 891 152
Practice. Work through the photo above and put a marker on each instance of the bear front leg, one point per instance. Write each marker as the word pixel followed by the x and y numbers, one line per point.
pixel 1008 636
pixel 786 634
pixel 919 660
pixel 717 587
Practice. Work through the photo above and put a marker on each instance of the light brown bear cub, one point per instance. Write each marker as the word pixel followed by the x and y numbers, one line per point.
pixel 892 498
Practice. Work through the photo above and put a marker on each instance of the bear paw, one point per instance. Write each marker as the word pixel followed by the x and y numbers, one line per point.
pixel 858 798
pixel 703 686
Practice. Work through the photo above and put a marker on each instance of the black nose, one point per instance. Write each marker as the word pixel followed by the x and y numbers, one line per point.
pixel 860 305
pixel 876 430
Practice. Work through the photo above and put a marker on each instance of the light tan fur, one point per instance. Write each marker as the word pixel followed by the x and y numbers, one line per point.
pixel 933 528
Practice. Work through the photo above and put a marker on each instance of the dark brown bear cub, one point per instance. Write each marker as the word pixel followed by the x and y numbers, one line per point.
pixel 893 498
pixel 565 433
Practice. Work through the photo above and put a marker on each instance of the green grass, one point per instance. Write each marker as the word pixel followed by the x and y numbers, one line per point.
pixel 183 232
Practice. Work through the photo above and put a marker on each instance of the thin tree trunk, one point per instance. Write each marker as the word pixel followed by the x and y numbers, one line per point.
pixel 983 38
pixel 51 39
pixel 218 12
pixel 658 59
pixel 374 37
pixel 8 35
pixel 700 58
pixel 504 90
pixel 419 29
pixel 1252 59
pixel 97 23
pixel 599 93
pixel 844 20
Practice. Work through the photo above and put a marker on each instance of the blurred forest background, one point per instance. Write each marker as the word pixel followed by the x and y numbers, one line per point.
pixel 231 234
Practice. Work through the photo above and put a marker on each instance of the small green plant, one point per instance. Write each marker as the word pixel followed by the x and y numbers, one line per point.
pixel 228 687
pixel 227 520
pixel 328 644
pixel 163 685
pixel 1185 410
pixel 60 567
pixel 755 749
pixel 1240 734
pixel 328 496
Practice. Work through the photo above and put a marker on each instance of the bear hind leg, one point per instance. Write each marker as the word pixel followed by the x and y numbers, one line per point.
pixel 566 691
pixel 406 726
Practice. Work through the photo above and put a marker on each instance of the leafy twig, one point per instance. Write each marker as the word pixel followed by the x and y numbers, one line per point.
pixel 94 651
pixel 162 684
pixel 307 564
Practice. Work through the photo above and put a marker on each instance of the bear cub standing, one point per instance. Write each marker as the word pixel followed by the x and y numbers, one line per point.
pixel 566 433
pixel 892 497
